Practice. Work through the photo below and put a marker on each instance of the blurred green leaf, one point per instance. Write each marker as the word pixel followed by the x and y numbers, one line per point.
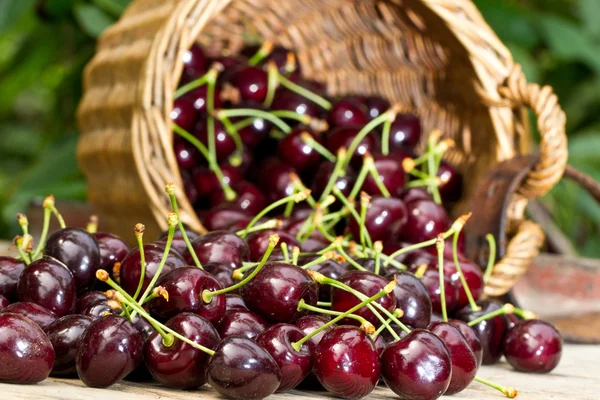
pixel 584 148
pixel 529 64
pixel 112 7
pixel 11 11
pixel 511 22
pixel 589 12
pixel 92 19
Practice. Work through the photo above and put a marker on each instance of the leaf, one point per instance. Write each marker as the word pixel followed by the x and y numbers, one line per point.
pixel 112 7
pixel 583 148
pixel 92 19
pixel 589 12
pixel 11 12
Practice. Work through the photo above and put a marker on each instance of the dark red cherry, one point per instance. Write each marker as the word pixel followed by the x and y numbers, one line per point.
pixel 224 217
pixel 207 183
pixel 91 297
pixel 274 293
pixel 10 271
pixel 112 249
pixel 431 281
pixel 49 283
pixel 222 272
pixel 241 369
pixel 490 332
pixel 143 326
pixel 185 287
pixel 391 174
pixel 330 269
pixel 294 365
pixel 235 302
pixel 346 362
pixel 183 113
pixel 131 266
pixel 533 346
pixel 220 246
pixel 385 218
pixel 345 112
pixel 229 62
pixel 34 312
pixel 109 350
pixel 417 193
pixel 295 152
pixel 290 101
pixel 3 303
pixel 376 106
pixel 79 251
pixel 249 200
pixel 186 154
pixel 344 183
pixel 26 353
pixel 195 63
pixel 178 243
pixel 251 82
pixel 426 220
pixel 242 323
pixel 274 179
pixel 180 365
pixel 224 143
pixel 99 309
pixel 464 362
pixel 473 277
pixel 198 98
pixel 367 283
pixel 309 324
pixel 471 338
pixel 65 334
pixel 417 366
pixel 511 320
pixel 413 298
pixel 254 133
pixel 343 136
pixel 189 188
pixel 279 55
pixel 405 131
pixel 451 182
pixel 259 241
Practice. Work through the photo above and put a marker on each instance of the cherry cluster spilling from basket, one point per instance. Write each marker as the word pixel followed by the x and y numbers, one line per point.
pixel 330 262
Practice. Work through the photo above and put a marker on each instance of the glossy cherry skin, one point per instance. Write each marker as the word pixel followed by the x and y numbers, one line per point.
pixel 451 185
pixel 183 113
pixel 221 246
pixel 385 218
pixel 347 111
pixel 471 338
pixel 367 283
pixel 417 366
pixel 416 193
pixel 79 251
pixel 49 283
pixel 10 271
pixel 241 369
pixel 109 350
pixel 91 297
pixel 391 175
pixel 343 136
pixel 178 243
pixel 294 365
pixel 224 143
pixel 224 217
pixel 185 287
pixel 99 309
pixel 251 82
pixel 330 269
pixel 274 293
pixel 295 152
pixel 413 298
pixel 287 100
pixel 180 365
pixel 195 63
pixel 249 200
pixel 207 183
pixel 346 362
pixel 222 272
pixel 259 241
pixel 464 362
pixel 533 346
pixel 473 277
pixel 405 131
pixel 65 334
pixel 112 249
pixel 376 106
pixel 198 98
pixel 426 220
pixel 309 324
pixel 235 302
pixel 242 323
pixel 511 320
pixel 26 353
pixel 275 179
pixel 186 154
pixel 131 266
pixel 3 303
pixel 431 281
pixel 490 332
pixel 344 183
pixel 38 314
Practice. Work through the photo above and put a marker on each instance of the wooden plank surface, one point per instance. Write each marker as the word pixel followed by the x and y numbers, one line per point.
pixel 577 377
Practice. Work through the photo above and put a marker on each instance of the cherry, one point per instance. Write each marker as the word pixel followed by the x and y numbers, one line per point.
pixel 346 362
pixel 143 326
pixel 290 101
pixel 473 278
pixel 376 106
pixel 347 111
pixel 222 272
pixel 79 251
pixel 34 312
pixel 274 293
pixel 243 323
pixel 296 153
pixel 464 362
pixel 310 323
pixel 460 246
pixel 26 353
pixel 241 369
pixel 533 346
pixel 275 179
pixel 188 185
pixel 178 243
pixel 65 334
pixel 91 297
pixel 251 82
pixel 405 131
pixel 426 220
pixel 512 320
pixel 385 218
pixel 180 365
pixel 431 281
pixel 198 98
pixel 391 174
pixel 229 62
pixel 367 283
pixel 259 241
pixel 330 269
pixel 249 200
pixel 254 133
pixel 413 298
pixel 471 338
pixel 234 302
pixel 417 193
pixel 224 143
pixel 109 350
pixel 490 332
pixel 219 246
pixel 186 154
pixel 185 287
pixel 195 63
pixel 48 283
pixel 344 183
pixel 417 366
pixel 3 303
pixel 99 309
pixel 206 182
pixel 342 136
pixel 183 113
pixel 112 249
pixel 451 182
pixel 224 217
pixel 294 365
pixel 10 271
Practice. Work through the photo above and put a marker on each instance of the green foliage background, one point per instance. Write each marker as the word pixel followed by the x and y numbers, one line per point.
pixel 45 44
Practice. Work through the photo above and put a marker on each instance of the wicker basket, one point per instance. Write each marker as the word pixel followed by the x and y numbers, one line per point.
pixel 437 58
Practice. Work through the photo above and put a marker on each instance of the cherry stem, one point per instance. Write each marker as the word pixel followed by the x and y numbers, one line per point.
pixel 45 228
pixel 59 217
pixel 270 224
pixel 416 246
pixel 295 255
pixel 492 260
pixel 233 133
pixel 303 306
pixel 440 251
pixel 19 245
pixel 207 295
pixel 505 309
pixel 349 206
pixel 362 175
pixel 422 183
pixel 463 281
pixel 23 222
pixel 272 84
pixel 383 292
pixel 262 53
pixel 173 222
pixel 315 98
pixel 238 273
pixel 211 75
pixel 316 146
pixel 251 112
pixel 288 114
pixel 338 171
pixel 139 235
pixel 212 163
pixel 385 137
pixel 432 170
pixel 323 304
pixel 92 225
pixel 508 391
pixel 296 197
pixel 524 313
pixel 170 189
pixel 378 181
pixel 388 115
pixel 349 258
pixel 244 123
pixel 378 247
pixel 398 313
pixel 327 256
pixel 364 233
pixel 285 252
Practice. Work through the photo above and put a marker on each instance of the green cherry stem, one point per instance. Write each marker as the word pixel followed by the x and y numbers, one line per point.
pixel 285 252
pixel 92 225
pixel 463 281
pixel 492 260
pixel 316 146
pixel 378 247
pixel 210 76
pixel 509 392
pixel 262 53
pixel 362 175
pixel 270 224
pixel 327 256
pixel 378 181
pixel 139 236
pixel 288 114
pixel 303 306
pixel 238 274
pixel 23 223
pixel 505 309
pixel 237 140
pixel 439 245
pixel 338 170
pixel 170 189
pixel 295 255
pixel 524 313
pixel 323 304
pixel 385 137
pixel 244 123
pixel 207 295
pixel 251 112
pixel 315 98
pixel 46 226
pixel 18 241
pixel 398 313
pixel 365 238
pixel 272 83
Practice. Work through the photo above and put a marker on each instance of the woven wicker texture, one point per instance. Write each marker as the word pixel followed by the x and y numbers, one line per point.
pixel 436 58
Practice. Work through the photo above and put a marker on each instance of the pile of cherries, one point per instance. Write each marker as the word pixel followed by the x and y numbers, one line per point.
pixel 329 262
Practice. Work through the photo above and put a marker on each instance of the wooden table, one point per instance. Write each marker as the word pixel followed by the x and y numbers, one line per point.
pixel 577 377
